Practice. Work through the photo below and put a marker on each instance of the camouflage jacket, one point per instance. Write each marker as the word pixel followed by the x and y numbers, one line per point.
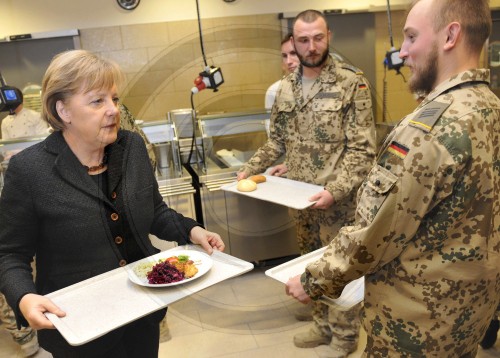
pixel 127 121
pixel 426 235
pixel 328 138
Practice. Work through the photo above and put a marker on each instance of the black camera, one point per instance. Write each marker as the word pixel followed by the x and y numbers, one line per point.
pixel 10 98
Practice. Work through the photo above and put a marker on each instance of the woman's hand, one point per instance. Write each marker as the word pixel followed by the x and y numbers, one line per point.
pixel 34 306
pixel 208 240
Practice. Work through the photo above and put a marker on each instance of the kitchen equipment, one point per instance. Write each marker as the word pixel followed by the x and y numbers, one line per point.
pixel 174 182
pixel 253 230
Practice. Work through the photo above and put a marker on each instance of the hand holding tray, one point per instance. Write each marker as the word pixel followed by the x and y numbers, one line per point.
pixel 353 293
pixel 291 193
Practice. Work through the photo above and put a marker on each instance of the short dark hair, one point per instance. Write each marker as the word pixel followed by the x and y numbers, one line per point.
pixel 309 16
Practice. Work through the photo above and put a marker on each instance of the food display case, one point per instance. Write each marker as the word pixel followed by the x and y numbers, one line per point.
pixel 253 230
pixel 175 183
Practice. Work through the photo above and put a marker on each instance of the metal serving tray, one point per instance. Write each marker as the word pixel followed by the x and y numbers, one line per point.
pixel 291 193
pixel 352 294
pixel 102 303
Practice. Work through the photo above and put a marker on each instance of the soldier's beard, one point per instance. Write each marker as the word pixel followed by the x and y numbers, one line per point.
pixel 312 64
pixel 424 79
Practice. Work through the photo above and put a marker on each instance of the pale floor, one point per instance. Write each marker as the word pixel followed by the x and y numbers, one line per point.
pixel 248 316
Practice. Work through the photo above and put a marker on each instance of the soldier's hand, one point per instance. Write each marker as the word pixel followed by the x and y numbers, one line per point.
pixel 241 175
pixel 323 200
pixel 295 289
pixel 278 170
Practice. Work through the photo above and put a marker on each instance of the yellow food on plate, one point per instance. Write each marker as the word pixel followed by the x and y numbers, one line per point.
pixel 246 185
pixel 258 178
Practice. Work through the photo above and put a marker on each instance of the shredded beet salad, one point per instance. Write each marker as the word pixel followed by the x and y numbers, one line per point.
pixel 163 272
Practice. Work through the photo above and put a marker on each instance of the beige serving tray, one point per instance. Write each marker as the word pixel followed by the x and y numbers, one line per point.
pixel 352 294
pixel 102 303
pixel 291 193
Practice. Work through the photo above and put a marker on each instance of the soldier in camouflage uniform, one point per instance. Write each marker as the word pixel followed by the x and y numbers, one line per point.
pixel 25 336
pixel 326 130
pixel 428 217
pixel 127 121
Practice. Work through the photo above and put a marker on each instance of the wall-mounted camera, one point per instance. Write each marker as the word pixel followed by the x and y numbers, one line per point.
pixel 10 98
pixel 210 78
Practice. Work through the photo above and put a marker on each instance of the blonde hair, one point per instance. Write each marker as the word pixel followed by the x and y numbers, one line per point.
pixel 72 72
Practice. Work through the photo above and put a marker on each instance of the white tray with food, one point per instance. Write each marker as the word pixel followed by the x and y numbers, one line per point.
pixel 352 294
pixel 291 193
pixel 102 303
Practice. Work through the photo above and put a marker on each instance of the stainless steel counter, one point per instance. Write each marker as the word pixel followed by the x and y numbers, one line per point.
pixel 253 230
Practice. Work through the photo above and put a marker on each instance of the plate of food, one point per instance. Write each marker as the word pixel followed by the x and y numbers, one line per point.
pixel 170 268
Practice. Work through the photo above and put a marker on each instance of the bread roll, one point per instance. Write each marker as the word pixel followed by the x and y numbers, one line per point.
pixel 258 178
pixel 246 185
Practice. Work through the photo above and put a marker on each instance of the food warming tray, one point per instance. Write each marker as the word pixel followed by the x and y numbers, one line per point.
pixel 291 193
pixel 102 303
pixel 352 294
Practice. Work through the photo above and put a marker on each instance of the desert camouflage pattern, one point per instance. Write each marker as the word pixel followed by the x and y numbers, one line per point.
pixel 328 139
pixel 127 121
pixel 427 228
pixel 22 336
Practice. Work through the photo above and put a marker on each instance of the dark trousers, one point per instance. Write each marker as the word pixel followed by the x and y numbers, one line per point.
pixel 139 339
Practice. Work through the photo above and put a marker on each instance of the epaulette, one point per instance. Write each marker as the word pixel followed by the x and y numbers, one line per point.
pixel 352 68
pixel 427 117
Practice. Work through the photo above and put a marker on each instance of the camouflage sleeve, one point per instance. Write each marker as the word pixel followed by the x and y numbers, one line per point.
pixel 128 122
pixel 393 203
pixel 360 148
pixel 271 151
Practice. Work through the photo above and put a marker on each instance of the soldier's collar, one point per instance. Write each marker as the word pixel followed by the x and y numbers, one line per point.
pixel 474 75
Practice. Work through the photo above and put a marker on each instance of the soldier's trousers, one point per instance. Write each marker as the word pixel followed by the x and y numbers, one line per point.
pixel 21 336
pixel 315 229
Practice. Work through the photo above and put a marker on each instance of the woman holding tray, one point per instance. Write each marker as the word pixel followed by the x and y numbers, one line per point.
pixel 83 201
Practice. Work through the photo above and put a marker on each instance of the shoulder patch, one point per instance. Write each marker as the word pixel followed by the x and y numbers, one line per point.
pixel 352 68
pixel 428 116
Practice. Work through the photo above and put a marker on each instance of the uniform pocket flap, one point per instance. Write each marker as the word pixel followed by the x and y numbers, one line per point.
pixel 363 104
pixel 381 180
pixel 326 104
pixel 286 106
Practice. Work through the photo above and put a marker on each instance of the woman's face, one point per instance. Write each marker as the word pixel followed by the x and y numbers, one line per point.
pixel 92 118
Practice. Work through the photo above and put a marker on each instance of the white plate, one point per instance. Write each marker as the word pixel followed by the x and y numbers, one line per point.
pixel 202 261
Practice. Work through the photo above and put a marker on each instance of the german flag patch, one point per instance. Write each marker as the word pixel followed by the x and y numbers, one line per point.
pixel 362 86
pixel 398 150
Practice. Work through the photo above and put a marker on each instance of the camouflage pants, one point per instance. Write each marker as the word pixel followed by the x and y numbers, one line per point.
pixel 315 229
pixel 21 336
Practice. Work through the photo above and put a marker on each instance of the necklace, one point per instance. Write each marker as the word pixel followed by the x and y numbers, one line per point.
pixel 101 165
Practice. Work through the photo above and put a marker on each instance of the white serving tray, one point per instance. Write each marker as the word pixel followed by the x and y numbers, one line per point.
pixel 352 294
pixel 291 193
pixel 102 303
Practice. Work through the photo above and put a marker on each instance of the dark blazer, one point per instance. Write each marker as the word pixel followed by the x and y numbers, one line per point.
pixel 50 207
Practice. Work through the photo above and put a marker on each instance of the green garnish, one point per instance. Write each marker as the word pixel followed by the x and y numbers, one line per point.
pixel 183 258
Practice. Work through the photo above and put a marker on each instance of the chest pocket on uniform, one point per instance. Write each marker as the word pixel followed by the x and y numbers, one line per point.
pixel 375 190
pixel 327 120
pixel 286 112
